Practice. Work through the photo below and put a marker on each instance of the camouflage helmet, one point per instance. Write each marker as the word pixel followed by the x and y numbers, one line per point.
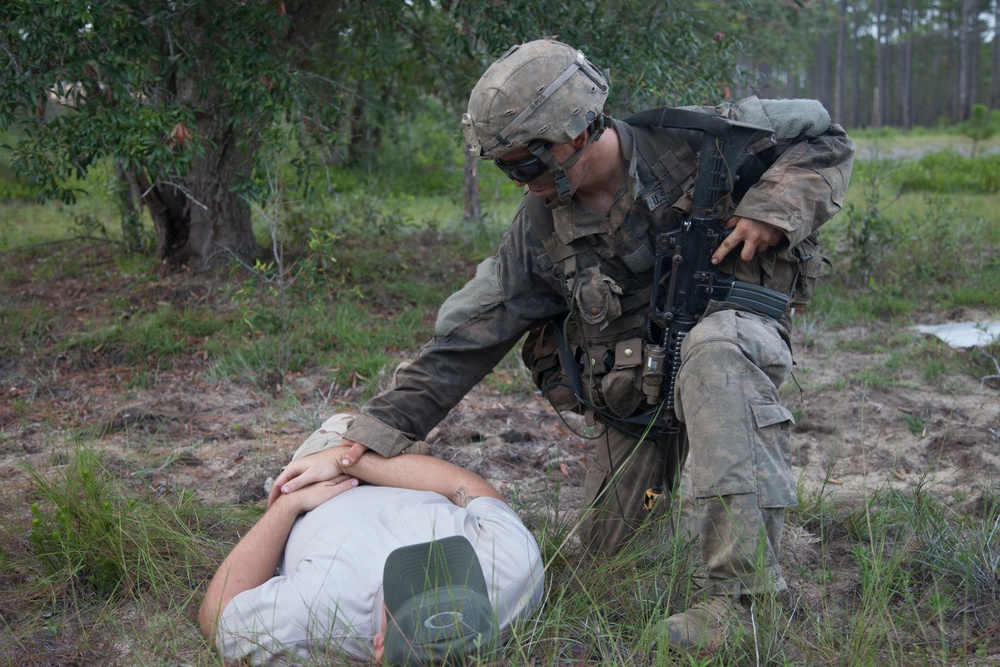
pixel 543 90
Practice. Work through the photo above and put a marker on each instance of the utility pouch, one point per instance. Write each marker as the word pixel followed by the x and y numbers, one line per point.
pixel 811 267
pixel 597 297
pixel 622 386
pixel 540 355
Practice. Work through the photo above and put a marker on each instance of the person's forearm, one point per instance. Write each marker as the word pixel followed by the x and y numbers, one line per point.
pixel 426 390
pixel 251 562
pixel 423 473
pixel 804 188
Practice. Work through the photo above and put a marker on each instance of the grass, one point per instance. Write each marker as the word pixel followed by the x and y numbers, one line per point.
pixel 104 548
pixel 103 558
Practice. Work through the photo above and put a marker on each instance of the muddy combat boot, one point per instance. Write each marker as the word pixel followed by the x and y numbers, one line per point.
pixel 704 625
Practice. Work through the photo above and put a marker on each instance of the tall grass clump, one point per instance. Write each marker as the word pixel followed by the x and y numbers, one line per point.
pixel 99 566
pixel 604 610
pixel 98 531
pixel 950 172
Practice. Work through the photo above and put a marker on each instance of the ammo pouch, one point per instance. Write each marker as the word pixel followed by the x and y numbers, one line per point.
pixel 622 386
pixel 540 354
pixel 811 266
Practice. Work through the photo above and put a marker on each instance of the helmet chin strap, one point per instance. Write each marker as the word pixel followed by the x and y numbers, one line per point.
pixel 564 191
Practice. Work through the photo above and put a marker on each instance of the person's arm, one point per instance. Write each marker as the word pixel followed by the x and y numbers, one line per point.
pixel 254 559
pixel 406 471
pixel 476 326
pixel 803 189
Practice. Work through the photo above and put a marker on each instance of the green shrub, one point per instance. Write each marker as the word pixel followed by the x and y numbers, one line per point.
pixel 948 171
pixel 979 126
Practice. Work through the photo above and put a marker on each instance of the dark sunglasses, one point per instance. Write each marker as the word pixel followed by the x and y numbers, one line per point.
pixel 526 170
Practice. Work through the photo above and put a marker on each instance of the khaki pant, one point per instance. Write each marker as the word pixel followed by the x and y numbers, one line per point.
pixel 738 460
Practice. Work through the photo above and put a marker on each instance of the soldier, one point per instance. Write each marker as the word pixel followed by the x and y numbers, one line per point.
pixel 575 272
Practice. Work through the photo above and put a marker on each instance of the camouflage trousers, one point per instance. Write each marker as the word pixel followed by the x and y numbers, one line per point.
pixel 738 456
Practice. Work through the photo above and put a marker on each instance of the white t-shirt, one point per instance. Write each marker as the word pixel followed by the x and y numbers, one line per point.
pixel 327 601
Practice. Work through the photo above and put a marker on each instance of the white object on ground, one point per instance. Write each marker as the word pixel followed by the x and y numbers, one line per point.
pixel 963 334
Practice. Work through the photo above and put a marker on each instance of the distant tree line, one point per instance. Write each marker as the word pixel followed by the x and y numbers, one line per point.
pixel 193 99
pixel 874 63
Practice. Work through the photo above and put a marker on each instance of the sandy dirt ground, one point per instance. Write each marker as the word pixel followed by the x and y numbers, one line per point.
pixel 226 440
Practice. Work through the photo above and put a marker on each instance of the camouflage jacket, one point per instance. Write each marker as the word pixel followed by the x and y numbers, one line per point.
pixel 551 264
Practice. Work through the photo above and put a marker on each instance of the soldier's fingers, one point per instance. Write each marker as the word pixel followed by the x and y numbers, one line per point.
pixel 727 244
pixel 287 473
pixel 354 452
pixel 750 249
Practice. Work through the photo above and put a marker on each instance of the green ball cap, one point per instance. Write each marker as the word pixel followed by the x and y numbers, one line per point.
pixel 438 604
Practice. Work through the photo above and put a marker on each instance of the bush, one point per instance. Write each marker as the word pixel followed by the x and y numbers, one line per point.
pixel 950 172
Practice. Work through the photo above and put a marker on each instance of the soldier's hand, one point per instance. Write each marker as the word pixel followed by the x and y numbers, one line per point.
pixel 755 237
pixel 354 452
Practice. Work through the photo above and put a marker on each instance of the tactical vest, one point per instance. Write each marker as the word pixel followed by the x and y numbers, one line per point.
pixel 606 275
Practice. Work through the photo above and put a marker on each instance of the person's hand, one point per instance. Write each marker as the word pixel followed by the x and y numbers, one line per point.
pixel 355 450
pixel 311 496
pixel 322 466
pixel 755 237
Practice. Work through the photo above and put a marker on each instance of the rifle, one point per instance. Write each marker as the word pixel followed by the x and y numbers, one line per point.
pixel 727 154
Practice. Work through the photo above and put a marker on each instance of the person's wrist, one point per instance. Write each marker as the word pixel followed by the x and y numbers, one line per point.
pixel 288 504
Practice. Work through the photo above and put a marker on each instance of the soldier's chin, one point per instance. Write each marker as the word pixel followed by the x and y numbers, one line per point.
pixel 546 195
pixel 552 200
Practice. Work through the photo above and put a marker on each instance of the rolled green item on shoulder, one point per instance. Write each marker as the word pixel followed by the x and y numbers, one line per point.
pixel 788 118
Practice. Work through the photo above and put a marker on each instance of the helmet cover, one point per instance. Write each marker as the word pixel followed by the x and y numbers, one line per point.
pixel 543 90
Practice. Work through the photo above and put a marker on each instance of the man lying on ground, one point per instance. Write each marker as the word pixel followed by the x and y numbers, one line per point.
pixel 423 564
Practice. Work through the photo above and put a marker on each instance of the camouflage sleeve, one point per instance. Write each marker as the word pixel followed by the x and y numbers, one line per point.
pixel 805 187
pixel 512 292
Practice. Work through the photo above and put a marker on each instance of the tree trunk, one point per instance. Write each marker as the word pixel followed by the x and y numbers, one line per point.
pixel 840 69
pixel 906 65
pixel 821 68
pixel 880 66
pixel 129 207
pixel 856 73
pixel 975 28
pixel 965 46
pixel 219 219
pixel 356 140
pixel 201 222
pixel 167 206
